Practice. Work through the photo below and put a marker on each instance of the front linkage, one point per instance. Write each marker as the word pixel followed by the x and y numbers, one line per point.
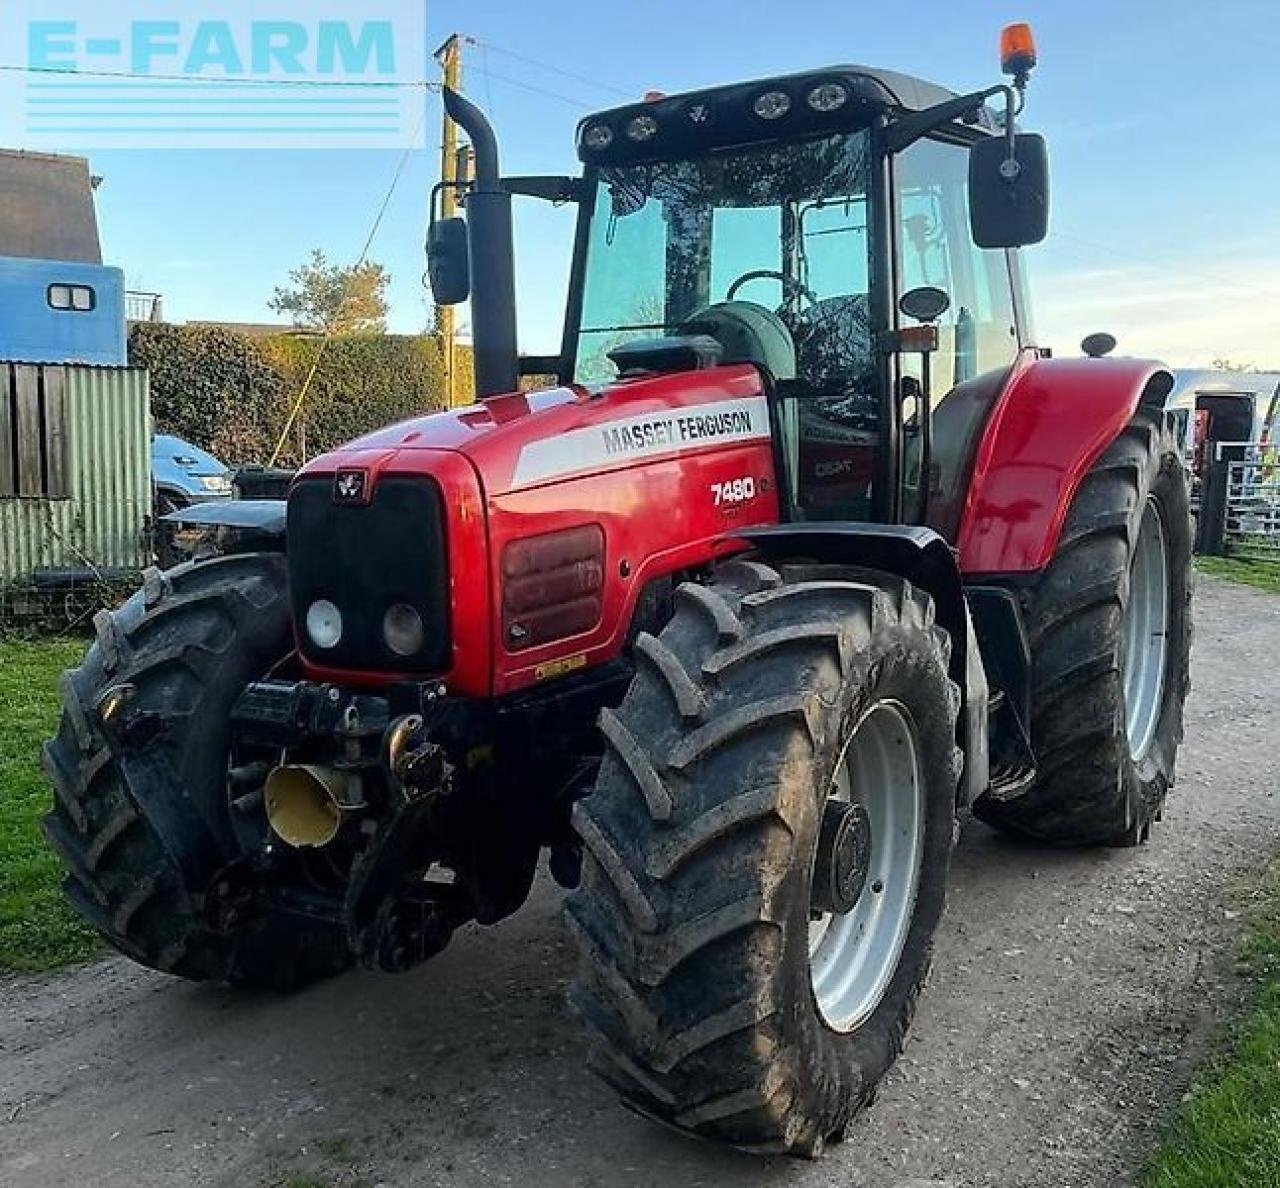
pixel 406 800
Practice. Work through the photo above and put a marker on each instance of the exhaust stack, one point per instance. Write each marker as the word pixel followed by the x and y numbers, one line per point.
pixel 304 804
pixel 491 253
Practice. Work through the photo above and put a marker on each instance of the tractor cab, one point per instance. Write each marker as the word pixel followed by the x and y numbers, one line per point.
pixel 763 248
pixel 825 227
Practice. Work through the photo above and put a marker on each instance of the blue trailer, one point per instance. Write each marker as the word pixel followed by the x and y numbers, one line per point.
pixel 75 420
pixel 58 302
pixel 60 311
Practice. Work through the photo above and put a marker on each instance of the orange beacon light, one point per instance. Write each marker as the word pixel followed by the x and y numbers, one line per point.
pixel 1017 50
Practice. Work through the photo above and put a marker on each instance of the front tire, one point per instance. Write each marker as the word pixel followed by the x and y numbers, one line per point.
pixel 147 840
pixel 699 919
pixel 1109 624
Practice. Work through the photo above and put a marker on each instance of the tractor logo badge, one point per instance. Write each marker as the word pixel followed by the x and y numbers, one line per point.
pixel 350 486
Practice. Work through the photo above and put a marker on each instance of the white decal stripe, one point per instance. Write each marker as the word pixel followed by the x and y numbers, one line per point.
pixel 668 431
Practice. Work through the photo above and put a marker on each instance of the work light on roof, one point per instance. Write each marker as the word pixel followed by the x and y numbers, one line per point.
pixel 642 128
pixel 598 137
pixel 771 105
pixel 828 96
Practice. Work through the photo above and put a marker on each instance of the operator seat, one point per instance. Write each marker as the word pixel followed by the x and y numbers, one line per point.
pixel 748 333
pixel 833 342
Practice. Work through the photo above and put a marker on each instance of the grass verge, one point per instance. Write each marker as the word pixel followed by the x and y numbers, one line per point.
pixel 1227 1133
pixel 1263 574
pixel 38 931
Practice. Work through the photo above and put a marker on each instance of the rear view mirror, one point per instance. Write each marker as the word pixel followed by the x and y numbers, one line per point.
pixel 924 303
pixel 1009 199
pixel 447 263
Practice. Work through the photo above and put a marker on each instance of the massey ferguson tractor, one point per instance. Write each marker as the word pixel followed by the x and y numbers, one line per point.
pixel 810 554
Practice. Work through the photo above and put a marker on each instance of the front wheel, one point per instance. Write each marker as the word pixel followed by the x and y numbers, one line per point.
pixel 146 837
pixel 766 853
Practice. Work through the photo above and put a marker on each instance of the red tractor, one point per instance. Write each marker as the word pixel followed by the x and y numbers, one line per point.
pixel 810 554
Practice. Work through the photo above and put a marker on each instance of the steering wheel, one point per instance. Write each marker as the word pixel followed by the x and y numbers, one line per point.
pixel 789 284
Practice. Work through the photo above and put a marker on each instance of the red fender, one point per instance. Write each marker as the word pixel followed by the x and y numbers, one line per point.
pixel 1053 420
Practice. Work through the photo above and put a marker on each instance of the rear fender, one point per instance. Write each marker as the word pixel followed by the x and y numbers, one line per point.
pixel 1052 422
pixel 922 557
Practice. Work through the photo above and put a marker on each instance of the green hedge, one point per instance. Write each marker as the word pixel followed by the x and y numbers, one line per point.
pixel 231 394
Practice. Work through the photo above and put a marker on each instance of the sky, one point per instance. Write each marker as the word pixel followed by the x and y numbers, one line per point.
pixel 1165 156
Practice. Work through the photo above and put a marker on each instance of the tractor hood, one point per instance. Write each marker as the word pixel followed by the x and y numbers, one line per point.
pixel 525 440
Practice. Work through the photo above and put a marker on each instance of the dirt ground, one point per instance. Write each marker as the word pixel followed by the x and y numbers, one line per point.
pixel 1071 997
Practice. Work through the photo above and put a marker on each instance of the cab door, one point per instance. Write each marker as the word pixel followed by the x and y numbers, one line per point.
pixel 978 337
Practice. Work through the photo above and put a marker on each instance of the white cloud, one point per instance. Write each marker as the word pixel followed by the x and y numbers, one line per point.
pixel 1187 317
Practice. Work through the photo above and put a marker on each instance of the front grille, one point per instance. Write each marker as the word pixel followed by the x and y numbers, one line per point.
pixel 365 559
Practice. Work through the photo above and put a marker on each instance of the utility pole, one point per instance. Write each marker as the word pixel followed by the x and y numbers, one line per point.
pixel 449 56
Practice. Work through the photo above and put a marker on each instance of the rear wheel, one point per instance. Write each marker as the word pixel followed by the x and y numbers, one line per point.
pixel 143 828
pixel 766 853
pixel 1109 624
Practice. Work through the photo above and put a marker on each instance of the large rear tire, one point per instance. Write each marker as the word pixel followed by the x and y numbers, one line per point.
pixel 147 840
pixel 1109 625
pixel 727 997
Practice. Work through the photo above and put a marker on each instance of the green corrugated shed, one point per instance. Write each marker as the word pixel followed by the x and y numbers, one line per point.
pixel 75 469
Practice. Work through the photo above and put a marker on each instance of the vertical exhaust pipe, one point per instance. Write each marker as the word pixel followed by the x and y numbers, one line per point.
pixel 491 253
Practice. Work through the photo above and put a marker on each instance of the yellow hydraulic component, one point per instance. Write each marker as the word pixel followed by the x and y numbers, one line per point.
pixel 304 803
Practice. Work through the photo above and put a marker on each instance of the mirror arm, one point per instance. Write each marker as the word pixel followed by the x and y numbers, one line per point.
pixel 433 202
pixel 1013 101
pixel 909 129
pixel 558 190
pixel 912 128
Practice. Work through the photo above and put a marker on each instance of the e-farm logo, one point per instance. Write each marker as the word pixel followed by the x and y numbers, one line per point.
pixel 291 73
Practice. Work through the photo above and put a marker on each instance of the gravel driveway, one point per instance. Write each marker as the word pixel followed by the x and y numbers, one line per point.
pixel 1071 997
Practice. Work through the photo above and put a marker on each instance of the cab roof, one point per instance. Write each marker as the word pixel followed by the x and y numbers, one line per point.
pixel 721 116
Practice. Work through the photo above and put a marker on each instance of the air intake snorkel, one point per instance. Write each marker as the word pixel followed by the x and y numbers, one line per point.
pixel 490 253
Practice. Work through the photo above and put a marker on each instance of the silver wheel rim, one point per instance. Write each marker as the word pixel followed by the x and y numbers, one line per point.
pixel 1146 632
pixel 852 957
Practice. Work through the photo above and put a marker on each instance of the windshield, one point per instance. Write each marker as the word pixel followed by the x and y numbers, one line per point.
pixel 670 238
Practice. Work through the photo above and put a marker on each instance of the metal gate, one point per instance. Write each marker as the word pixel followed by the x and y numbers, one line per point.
pixel 1252 519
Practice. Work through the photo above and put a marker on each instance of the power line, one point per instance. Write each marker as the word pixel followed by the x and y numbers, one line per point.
pixel 394 84
pixel 581 78
pixel 1172 269
pixel 488 81
pixel 515 82
pixel 224 80
pixel 328 330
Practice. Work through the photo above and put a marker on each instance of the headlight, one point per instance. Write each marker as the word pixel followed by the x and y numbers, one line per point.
pixel 216 482
pixel 643 127
pixel 829 96
pixel 772 105
pixel 402 629
pixel 598 136
pixel 324 623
